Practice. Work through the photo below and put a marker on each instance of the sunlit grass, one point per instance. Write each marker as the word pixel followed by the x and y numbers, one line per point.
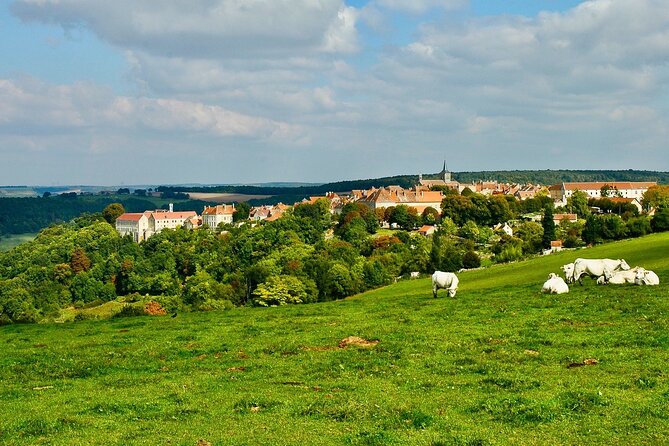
pixel 498 364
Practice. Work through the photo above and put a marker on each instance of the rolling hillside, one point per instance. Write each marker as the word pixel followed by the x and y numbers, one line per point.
pixel 500 364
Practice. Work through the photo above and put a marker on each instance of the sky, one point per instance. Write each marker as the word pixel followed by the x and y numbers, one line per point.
pixel 118 92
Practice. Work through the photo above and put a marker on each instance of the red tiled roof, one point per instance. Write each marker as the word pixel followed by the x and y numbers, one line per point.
pixel 221 209
pixel 173 215
pixel 596 185
pixel 130 216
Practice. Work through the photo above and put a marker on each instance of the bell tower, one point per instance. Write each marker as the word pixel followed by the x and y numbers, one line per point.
pixel 445 174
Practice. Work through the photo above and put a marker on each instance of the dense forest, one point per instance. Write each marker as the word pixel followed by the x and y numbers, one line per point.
pixel 549 177
pixel 306 256
pixel 405 181
pixel 22 215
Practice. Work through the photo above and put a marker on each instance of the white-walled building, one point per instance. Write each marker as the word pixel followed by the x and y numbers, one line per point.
pixel 143 225
pixel 213 216
pixel 135 224
pixel 562 191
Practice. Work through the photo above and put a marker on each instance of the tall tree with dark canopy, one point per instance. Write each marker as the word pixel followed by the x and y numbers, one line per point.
pixel 549 227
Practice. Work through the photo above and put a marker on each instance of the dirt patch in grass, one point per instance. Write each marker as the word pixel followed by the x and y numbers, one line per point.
pixel 357 342
pixel 588 361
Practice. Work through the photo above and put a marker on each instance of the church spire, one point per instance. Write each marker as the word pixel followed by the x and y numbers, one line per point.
pixel 445 174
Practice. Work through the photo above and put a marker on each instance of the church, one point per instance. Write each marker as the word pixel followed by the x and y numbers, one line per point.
pixel 445 179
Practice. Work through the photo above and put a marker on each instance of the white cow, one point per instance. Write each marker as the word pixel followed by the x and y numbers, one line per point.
pixel 596 267
pixel 447 281
pixel 646 277
pixel 555 285
pixel 618 277
pixel 414 274
pixel 568 271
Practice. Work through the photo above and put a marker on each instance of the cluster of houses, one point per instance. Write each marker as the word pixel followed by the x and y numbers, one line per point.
pixel 427 194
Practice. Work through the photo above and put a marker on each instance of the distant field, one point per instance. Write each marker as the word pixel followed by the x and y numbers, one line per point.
pixel 9 241
pixel 500 364
pixel 223 197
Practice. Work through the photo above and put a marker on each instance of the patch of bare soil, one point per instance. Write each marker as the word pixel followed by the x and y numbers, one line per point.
pixel 589 361
pixel 356 341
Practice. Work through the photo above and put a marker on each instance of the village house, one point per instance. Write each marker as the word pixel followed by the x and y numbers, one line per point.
pixel 267 212
pixel 143 225
pixel 419 198
pixel 626 189
pixel 212 216
pixel 426 230
pixel 572 218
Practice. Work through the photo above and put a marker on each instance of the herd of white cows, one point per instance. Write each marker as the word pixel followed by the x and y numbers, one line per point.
pixel 605 271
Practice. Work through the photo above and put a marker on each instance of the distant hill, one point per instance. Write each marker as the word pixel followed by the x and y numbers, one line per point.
pixel 548 177
pixel 545 177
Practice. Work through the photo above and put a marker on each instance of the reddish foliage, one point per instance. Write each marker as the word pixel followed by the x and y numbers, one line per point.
pixel 154 309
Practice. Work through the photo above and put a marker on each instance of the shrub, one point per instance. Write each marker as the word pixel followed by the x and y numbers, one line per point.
pixel 660 221
pixel 131 310
pixel 509 254
pixel 216 305
pixel 153 308
pixel 471 260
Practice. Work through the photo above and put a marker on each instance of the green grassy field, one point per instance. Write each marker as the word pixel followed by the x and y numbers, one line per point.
pixel 9 241
pixel 500 364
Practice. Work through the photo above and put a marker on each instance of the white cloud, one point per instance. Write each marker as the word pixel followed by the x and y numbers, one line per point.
pixel 207 28
pixel 30 106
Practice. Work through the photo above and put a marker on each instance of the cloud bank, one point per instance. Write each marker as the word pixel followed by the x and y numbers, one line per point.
pixel 300 85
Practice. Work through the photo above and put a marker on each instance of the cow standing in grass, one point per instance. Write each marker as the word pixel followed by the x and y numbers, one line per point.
pixel 568 271
pixel 596 267
pixel 447 281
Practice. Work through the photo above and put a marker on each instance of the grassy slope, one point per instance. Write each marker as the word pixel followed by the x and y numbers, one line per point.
pixel 489 367
pixel 9 241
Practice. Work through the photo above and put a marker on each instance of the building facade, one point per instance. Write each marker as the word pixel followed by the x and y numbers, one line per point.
pixel 212 216
pixel 626 189
pixel 143 225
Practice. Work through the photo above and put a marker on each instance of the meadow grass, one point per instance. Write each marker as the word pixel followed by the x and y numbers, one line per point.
pixel 9 241
pixel 500 364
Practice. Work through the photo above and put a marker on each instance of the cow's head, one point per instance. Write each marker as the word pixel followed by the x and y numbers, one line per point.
pixel 451 292
pixel 623 264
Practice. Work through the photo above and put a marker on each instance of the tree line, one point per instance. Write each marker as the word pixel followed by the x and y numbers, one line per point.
pixel 306 256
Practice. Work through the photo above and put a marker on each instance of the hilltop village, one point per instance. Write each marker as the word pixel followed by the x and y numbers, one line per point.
pixel 426 196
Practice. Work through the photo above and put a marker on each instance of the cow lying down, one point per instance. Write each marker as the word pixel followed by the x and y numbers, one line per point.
pixel 646 277
pixel 555 285
pixel 618 277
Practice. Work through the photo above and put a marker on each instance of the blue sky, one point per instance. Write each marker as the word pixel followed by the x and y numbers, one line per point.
pixel 97 92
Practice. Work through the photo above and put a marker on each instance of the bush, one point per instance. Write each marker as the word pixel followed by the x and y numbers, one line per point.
pixel 131 310
pixel 638 226
pixel 216 305
pixel 153 308
pixel 81 316
pixel 509 254
pixel 471 260
pixel 660 221
pixel 92 304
